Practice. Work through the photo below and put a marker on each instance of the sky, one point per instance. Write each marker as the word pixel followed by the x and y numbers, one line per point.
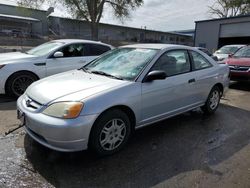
pixel 162 15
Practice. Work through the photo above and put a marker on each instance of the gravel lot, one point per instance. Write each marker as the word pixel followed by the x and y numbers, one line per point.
pixel 190 150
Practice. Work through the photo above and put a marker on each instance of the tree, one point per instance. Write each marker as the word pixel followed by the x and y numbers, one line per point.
pixel 229 8
pixel 90 10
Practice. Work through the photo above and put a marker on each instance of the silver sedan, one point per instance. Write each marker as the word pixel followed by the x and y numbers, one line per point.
pixel 99 105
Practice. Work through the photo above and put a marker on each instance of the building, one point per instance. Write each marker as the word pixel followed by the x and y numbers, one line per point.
pixel 189 32
pixel 17 23
pixel 215 33
pixel 70 28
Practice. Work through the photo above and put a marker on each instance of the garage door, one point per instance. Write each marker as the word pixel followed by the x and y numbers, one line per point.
pixel 235 30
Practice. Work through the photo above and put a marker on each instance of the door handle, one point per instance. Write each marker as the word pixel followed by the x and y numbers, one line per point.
pixel 191 81
pixel 39 64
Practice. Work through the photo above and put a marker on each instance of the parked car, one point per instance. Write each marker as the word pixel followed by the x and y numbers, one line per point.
pixel 227 50
pixel 206 51
pixel 239 64
pixel 18 70
pixel 99 105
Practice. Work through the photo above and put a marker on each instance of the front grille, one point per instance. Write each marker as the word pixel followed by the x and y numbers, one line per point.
pixel 30 103
pixel 239 68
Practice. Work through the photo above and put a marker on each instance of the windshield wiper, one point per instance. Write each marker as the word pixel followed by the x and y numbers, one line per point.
pixel 85 70
pixel 106 74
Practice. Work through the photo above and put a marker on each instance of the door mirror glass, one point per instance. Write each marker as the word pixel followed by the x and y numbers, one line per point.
pixel 156 75
pixel 58 54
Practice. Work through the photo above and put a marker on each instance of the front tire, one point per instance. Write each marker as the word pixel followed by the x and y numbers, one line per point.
pixel 110 133
pixel 18 83
pixel 213 101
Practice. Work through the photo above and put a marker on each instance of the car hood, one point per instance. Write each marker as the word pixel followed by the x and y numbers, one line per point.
pixel 221 56
pixel 13 57
pixel 72 86
pixel 238 61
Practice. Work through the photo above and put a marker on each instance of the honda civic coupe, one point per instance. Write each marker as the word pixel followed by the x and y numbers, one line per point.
pixel 239 65
pixel 99 105
pixel 18 70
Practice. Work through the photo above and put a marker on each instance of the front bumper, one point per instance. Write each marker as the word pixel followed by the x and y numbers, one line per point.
pixel 240 76
pixel 58 134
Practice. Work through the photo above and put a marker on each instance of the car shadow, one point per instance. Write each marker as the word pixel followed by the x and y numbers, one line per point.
pixel 154 154
pixel 7 103
pixel 244 86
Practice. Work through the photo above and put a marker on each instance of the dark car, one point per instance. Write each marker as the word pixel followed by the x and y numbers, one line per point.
pixel 206 51
pixel 239 64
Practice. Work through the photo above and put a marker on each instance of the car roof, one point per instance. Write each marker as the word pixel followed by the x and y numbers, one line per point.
pixel 68 41
pixel 234 45
pixel 153 46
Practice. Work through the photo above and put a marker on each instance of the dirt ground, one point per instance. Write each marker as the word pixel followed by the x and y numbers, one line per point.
pixel 190 150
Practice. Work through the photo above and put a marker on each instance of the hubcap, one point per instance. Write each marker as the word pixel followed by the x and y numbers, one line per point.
pixel 20 84
pixel 112 134
pixel 214 99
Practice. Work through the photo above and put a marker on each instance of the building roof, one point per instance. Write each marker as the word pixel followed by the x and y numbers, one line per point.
pixel 228 18
pixel 19 17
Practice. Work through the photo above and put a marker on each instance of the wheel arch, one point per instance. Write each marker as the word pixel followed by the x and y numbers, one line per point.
pixel 220 86
pixel 127 110
pixel 21 71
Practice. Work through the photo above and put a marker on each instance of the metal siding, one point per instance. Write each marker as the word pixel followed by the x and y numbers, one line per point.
pixel 235 30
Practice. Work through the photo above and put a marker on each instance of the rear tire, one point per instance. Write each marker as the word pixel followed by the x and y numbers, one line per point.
pixel 110 133
pixel 18 82
pixel 213 101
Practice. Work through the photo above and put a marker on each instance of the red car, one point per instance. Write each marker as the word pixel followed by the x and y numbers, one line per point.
pixel 239 64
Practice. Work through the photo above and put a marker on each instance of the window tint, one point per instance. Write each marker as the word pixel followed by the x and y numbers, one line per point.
pixel 96 49
pixel 73 50
pixel 199 62
pixel 173 62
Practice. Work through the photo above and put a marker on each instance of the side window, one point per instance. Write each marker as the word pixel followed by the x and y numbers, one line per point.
pixel 96 49
pixel 73 50
pixel 173 62
pixel 199 62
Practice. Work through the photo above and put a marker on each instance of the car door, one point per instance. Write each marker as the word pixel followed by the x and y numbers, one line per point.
pixel 175 94
pixel 74 57
pixel 204 75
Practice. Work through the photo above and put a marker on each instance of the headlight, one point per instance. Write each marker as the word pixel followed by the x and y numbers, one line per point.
pixel 1 66
pixel 65 110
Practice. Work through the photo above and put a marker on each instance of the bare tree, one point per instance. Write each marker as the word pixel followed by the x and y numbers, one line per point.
pixel 90 10
pixel 229 8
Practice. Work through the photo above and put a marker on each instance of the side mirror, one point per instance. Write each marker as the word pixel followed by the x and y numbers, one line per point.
pixel 155 75
pixel 230 55
pixel 58 54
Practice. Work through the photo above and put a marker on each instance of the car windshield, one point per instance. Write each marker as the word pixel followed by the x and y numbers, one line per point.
pixel 227 50
pixel 122 63
pixel 44 49
pixel 243 52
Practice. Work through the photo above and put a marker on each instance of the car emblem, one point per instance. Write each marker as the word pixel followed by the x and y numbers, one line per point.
pixel 28 102
pixel 236 67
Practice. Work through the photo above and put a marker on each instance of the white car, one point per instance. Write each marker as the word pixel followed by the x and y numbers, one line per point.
pixel 18 70
pixel 227 50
